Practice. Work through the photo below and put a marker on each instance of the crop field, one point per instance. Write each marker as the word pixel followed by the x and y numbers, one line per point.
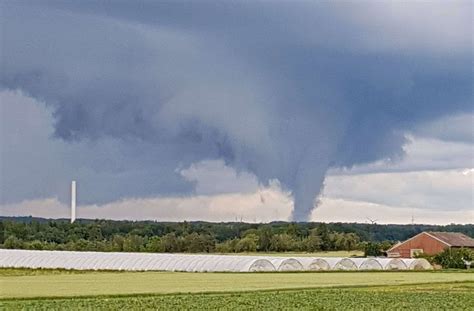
pixel 57 290
pixel 442 296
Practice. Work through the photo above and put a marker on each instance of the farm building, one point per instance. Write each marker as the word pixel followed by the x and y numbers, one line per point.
pixel 194 263
pixel 430 243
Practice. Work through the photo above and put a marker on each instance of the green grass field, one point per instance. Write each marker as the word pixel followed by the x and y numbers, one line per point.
pixel 63 284
pixel 56 290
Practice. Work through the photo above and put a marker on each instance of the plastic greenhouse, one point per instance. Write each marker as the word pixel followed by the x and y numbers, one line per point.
pixel 195 263
pixel 370 264
pixel 287 264
pixel 313 264
pixel 318 264
pixel 332 261
pixel 392 264
pixel 417 264
pixel 132 261
pixel 346 264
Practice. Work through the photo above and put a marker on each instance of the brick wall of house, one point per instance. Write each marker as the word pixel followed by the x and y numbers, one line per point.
pixel 428 244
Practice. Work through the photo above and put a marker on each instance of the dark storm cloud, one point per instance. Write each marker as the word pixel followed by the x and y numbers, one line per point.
pixel 285 90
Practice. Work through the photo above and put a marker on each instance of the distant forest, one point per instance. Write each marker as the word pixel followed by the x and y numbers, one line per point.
pixel 205 237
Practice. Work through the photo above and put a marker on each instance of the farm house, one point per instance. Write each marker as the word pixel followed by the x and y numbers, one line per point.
pixel 194 263
pixel 430 243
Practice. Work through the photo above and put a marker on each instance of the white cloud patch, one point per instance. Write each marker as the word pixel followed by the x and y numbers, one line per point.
pixel 426 190
pixel 47 208
pixel 213 176
pixel 264 205
pixel 340 210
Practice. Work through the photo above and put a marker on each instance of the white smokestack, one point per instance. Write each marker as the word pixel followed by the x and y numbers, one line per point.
pixel 73 201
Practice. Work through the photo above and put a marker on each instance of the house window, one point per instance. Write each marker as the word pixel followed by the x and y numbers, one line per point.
pixel 415 251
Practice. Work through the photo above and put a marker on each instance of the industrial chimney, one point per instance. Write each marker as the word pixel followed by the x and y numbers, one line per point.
pixel 73 201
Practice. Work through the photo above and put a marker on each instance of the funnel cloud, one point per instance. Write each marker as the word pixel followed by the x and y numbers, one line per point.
pixel 283 90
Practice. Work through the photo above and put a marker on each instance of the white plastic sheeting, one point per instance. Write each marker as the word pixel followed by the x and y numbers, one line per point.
pixel 332 261
pixel 313 264
pixel 417 264
pixel 195 263
pixel 317 264
pixel 368 264
pixel 392 264
pixel 346 264
pixel 132 261
pixel 287 264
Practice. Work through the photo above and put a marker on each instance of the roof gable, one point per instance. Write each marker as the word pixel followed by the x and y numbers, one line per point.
pixel 455 239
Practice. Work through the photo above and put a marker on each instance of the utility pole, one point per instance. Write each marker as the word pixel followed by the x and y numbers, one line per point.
pixel 373 223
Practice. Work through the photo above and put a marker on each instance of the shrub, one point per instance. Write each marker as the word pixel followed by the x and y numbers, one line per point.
pixel 372 249
pixel 247 244
pixel 13 242
pixel 453 258
pixel 430 258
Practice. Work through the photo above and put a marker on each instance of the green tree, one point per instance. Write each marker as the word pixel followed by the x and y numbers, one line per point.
pixel 352 240
pixel 154 245
pixel 372 249
pixel 12 242
pixel 264 238
pixel 199 243
pixel 323 232
pixel 313 243
pixel 293 230
pixel 171 244
pixel 2 232
pixel 385 245
pixel 94 233
pixel 36 245
pixel 133 243
pixel 82 245
pixel 282 243
pixel 228 246
pixel 247 244
pixel 117 243
pixel 344 241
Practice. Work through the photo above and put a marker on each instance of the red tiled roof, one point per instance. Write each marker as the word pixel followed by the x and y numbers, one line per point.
pixel 454 238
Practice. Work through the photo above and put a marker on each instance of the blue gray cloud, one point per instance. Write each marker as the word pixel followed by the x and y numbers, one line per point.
pixel 283 90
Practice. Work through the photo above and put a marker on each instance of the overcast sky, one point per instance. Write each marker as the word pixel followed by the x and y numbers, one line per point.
pixel 259 111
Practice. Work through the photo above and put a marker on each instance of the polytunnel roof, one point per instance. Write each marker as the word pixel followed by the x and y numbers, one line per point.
pixel 313 263
pixel 392 263
pixel 368 263
pixel 346 264
pixel 287 264
pixel 417 263
pixel 132 261
pixel 193 263
pixel 359 261
pixel 332 261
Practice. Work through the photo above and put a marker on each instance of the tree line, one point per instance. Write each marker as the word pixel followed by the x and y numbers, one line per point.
pixel 204 237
